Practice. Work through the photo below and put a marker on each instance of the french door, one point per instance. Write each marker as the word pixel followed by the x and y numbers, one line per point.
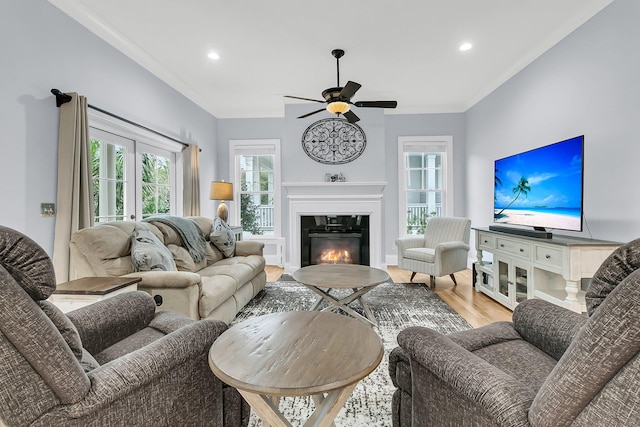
pixel 131 180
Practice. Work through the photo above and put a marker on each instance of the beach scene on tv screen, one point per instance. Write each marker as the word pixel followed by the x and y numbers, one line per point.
pixel 541 187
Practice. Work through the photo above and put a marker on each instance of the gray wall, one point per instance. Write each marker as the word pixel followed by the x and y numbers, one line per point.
pixel 42 49
pixel 586 84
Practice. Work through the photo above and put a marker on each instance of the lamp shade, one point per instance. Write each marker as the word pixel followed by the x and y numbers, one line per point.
pixel 221 190
pixel 337 107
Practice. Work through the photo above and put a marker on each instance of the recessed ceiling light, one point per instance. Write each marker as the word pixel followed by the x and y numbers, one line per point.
pixel 213 55
pixel 465 46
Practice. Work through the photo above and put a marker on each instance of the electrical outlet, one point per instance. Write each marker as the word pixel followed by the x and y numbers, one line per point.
pixel 47 209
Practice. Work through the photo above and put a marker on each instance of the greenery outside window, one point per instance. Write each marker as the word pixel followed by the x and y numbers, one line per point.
pixel 112 176
pixel 156 185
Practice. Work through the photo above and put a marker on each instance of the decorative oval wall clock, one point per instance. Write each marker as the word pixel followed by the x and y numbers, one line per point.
pixel 333 141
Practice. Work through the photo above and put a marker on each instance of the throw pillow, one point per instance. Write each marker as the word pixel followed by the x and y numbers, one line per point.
pixel 222 237
pixel 148 253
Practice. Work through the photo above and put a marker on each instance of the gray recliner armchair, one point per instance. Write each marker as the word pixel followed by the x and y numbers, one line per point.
pixel 115 362
pixel 549 367
pixel 442 250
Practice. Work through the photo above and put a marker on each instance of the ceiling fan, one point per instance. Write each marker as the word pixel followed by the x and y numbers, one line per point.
pixel 338 99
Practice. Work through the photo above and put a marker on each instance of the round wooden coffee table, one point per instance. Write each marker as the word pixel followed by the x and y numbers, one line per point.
pixel 297 353
pixel 323 278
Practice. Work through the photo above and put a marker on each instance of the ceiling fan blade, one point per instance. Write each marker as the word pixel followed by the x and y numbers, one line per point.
pixel 351 116
pixel 313 112
pixel 376 104
pixel 349 90
pixel 304 99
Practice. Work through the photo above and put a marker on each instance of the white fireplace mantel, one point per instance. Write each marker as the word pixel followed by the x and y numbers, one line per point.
pixel 313 189
pixel 334 198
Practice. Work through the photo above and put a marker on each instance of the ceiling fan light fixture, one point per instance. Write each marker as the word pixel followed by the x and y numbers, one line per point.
pixel 337 107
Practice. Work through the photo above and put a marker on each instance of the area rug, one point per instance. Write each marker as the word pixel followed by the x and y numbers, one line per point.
pixel 396 307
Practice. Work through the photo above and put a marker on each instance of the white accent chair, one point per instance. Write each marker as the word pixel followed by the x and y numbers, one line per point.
pixel 442 250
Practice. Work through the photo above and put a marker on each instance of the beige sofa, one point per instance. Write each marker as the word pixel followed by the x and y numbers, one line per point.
pixel 216 288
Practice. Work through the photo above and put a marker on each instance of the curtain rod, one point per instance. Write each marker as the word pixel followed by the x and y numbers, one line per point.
pixel 62 98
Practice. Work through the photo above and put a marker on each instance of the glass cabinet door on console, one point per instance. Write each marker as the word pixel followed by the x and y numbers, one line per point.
pixel 503 280
pixel 520 286
pixel 513 284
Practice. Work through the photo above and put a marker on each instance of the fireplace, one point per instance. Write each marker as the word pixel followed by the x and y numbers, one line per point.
pixel 334 239
pixel 331 199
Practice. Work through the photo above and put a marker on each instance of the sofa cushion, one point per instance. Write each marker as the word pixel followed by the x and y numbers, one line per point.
pixel 255 262
pixel 420 254
pixel 215 290
pixel 213 254
pixel 104 248
pixel 182 232
pixel 183 260
pixel 169 235
pixel 508 356
pixel 148 253
pixel 222 237
pixel 241 269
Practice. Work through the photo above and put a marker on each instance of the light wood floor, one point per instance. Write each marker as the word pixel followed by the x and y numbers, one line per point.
pixel 475 307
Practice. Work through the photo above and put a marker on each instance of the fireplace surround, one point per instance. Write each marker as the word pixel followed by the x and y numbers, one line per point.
pixel 333 198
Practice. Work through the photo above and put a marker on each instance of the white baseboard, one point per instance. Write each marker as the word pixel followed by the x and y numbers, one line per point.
pixel 391 259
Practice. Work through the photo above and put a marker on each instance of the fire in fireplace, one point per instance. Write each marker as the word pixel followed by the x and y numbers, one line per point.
pixel 335 239
pixel 333 256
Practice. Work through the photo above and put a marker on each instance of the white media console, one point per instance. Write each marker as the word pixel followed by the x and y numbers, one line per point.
pixel 556 269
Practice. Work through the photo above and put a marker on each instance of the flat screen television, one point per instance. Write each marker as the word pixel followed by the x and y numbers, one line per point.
pixel 541 188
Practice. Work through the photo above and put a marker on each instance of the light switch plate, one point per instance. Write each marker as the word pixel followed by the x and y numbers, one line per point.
pixel 47 209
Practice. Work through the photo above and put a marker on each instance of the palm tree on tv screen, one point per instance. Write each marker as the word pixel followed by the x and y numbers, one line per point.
pixel 522 188
pixel 496 181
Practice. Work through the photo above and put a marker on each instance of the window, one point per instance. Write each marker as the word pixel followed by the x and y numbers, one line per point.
pixel 134 172
pixel 112 173
pixel 257 174
pixel 424 165
pixel 257 178
pixel 157 169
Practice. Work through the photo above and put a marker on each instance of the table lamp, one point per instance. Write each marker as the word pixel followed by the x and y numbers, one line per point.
pixel 221 190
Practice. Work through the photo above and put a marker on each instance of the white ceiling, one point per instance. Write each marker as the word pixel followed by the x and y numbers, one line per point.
pixel 397 50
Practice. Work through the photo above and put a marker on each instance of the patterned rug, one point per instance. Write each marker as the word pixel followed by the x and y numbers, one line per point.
pixel 395 306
